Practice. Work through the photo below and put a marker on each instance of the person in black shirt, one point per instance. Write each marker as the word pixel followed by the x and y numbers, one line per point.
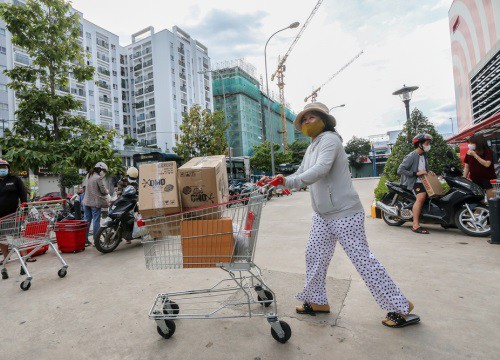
pixel 12 191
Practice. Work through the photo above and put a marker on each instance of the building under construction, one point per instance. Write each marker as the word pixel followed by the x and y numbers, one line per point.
pixel 246 107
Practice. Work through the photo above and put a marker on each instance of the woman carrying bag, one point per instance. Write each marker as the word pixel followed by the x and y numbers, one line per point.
pixel 96 197
pixel 338 217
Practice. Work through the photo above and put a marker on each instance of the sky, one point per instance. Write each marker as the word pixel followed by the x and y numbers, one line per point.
pixel 404 42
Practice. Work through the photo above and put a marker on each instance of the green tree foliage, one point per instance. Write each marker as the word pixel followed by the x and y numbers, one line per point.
pixel 203 134
pixel 419 124
pixel 46 133
pixel 129 141
pixel 356 148
pixel 261 158
pixel 297 149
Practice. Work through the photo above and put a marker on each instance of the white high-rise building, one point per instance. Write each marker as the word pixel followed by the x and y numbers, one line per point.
pixel 140 90
pixel 165 78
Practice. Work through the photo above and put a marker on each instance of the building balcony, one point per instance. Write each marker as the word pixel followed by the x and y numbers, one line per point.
pixel 183 88
pixel 139 105
pixel 184 102
pixel 150 102
pixel 105 99
pixel 103 71
pixel 149 89
pixel 182 63
pixel 182 76
pixel 137 67
pixel 23 59
pixel 103 85
pixel 106 113
pixel 148 63
pixel 139 92
pixel 180 50
pixel 151 115
pixel 102 43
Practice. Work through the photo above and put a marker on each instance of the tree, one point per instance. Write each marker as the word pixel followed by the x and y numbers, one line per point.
pixel 203 134
pixel 46 134
pixel 297 149
pixel 261 158
pixel 418 124
pixel 130 141
pixel 356 148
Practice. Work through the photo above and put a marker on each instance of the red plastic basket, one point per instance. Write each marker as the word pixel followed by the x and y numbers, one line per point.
pixel 70 235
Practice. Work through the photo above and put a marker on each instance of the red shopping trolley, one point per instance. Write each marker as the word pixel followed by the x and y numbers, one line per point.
pixel 27 231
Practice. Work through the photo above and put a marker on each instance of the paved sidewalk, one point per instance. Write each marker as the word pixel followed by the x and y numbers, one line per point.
pixel 99 311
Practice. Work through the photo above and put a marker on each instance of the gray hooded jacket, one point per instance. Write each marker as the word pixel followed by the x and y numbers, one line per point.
pixel 325 170
pixel 409 167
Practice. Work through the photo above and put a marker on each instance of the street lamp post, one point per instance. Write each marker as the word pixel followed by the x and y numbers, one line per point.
pixel 405 94
pixel 336 107
pixel 225 117
pixel 264 133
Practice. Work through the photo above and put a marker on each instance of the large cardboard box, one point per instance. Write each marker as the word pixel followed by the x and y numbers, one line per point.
pixel 206 242
pixel 432 185
pixel 203 182
pixel 158 189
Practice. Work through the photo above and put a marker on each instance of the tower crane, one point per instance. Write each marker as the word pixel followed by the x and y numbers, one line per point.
pixel 314 94
pixel 279 73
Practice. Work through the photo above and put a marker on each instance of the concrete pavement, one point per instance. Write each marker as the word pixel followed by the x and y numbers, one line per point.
pixel 100 309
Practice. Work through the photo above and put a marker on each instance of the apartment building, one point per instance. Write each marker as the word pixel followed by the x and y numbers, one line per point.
pixel 237 91
pixel 163 75
pixel 100 98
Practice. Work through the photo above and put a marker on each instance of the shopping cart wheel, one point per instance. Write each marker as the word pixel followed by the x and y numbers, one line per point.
pixel 171 329
pixel 170 308
pixel 5 274
pixel 268 299
pixel 62 272
pixel 287 330
pixel 25 285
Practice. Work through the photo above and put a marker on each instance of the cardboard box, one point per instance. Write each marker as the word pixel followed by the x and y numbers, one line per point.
pixel 203 182
pixel 159 228
pixel 432 185
pixel 206 242
pixel 158 189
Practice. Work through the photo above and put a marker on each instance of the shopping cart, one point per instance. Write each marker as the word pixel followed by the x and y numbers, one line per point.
pixel 224 236
pixel 28 230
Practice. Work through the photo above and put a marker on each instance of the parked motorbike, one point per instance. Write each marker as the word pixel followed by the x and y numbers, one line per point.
pixel 462 206
pixel 120 222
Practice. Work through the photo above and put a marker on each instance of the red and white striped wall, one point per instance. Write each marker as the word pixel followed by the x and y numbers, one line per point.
pixel 475 34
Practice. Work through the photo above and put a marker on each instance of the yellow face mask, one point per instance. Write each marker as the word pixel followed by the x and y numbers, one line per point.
pixel 314 129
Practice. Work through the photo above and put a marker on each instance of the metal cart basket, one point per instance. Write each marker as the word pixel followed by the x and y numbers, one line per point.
pixel 224 236
pixel 28 230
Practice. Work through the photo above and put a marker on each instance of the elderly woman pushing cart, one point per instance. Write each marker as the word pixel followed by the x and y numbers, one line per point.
pixel 338 217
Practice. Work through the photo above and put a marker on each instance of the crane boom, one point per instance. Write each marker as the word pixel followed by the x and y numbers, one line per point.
pixel 283 59
pixel 314 94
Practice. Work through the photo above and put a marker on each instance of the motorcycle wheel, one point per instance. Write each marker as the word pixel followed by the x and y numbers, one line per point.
pixel 104 242
pixel 480 226
pixel 389 219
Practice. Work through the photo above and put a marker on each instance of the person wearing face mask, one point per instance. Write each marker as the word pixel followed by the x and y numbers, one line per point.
pixel 414 165
pixel 338 217
pixel 96 197
pixel 12 192
pixel 478 164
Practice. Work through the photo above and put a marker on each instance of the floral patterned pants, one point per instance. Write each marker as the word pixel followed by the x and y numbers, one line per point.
pixel 350 232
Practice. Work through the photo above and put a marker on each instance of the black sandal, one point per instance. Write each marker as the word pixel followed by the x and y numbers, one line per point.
pixel 308 309
pixel 401 321
pixel 420 230
pixel 30 259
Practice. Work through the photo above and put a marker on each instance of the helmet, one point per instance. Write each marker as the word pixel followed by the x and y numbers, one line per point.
pixel 420 138
pixel 132 172
pixel 101 165
pixel 4 162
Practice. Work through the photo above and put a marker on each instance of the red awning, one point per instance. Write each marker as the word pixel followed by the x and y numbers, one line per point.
pixel 489 128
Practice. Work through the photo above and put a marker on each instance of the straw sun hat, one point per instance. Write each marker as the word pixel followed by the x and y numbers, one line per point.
pixel 316 106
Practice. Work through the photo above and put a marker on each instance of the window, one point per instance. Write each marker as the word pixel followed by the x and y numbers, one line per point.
pixel 91 92
pixel 172 57
pixel 89 35
pixel 3 87
pixel 115 86
pixel 113 47
pixel 114 73
pixel 115 99
pixel 2 31
pixel 4 106
pixel 3 50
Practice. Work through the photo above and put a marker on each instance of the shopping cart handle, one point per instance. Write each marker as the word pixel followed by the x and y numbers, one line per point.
pixel 275 182
pixel 63 201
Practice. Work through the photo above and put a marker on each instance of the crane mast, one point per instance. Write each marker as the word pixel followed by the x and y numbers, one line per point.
pixel 279 74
